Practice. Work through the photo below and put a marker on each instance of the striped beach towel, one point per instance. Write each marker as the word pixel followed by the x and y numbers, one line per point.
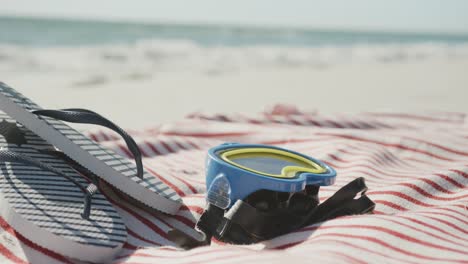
pixel 416 167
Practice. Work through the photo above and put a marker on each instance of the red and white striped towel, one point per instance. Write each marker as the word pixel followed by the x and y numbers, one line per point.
pixel 416 167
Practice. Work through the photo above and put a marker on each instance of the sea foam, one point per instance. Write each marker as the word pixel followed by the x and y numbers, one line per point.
pixel 147 57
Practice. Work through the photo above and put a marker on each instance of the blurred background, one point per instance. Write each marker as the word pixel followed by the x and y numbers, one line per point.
pixel 146 62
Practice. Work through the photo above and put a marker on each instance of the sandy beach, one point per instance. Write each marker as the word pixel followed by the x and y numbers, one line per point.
pixel 416 86
pixel 146 74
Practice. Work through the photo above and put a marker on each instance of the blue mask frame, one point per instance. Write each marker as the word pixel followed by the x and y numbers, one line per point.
pixel 227 183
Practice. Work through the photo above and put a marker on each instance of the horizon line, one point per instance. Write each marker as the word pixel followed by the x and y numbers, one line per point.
pixel 116 20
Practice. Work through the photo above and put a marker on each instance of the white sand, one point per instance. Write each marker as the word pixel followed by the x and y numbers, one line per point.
pixel 433 85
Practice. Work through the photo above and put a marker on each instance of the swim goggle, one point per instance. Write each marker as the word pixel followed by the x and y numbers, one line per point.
pixel 233 171
pixel 257 192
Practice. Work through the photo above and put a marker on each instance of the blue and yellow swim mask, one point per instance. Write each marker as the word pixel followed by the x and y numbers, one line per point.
pixel 233 171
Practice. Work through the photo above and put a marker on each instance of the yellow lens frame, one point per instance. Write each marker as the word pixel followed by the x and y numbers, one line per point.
pixel 286 172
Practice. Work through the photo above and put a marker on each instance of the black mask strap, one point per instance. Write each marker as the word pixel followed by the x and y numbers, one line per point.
pixel 250 220
pixel 342 203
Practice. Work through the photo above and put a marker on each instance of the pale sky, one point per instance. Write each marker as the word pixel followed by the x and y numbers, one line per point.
pixel 405 15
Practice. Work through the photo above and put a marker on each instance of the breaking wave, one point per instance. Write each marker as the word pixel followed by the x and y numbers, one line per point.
pixel 151 56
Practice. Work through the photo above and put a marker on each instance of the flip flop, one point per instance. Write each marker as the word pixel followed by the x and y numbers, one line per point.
pixel 132 180
pixel 50 204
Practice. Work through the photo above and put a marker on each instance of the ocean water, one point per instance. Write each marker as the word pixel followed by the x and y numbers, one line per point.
pixel 50 32
pixel 34 44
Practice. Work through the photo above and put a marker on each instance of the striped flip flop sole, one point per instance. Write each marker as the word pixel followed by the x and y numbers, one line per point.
pixel 106 164
pixel 46 208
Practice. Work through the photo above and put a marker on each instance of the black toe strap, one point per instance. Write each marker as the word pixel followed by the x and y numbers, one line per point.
pixel 89 191
pixel 84 116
